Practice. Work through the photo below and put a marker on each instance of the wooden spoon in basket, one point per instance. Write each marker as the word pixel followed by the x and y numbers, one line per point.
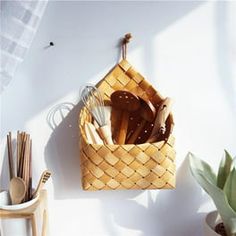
pixel 126 102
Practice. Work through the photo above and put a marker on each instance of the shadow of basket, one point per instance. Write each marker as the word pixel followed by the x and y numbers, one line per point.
pixel 62 150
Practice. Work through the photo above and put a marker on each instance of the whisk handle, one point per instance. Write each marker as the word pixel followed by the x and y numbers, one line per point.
pixel 105 133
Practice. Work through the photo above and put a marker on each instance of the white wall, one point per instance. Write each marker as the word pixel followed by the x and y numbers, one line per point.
pixel 186 49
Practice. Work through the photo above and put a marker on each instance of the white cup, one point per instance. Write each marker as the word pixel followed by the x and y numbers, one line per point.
pixel 14 226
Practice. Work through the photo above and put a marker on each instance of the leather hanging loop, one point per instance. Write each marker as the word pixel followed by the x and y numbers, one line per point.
pixel 125 41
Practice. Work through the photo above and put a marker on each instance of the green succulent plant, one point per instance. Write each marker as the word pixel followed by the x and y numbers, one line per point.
pixel 221 187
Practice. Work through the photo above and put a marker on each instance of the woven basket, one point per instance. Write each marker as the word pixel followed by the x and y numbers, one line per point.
pixel 130 166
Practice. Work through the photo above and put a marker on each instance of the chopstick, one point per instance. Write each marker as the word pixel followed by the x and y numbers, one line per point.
pixel 18 149
pixel 10 157
pixel 25 165
pixel 23 160
pixel 30 173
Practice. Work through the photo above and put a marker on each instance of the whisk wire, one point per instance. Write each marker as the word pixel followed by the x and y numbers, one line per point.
pixel 93 101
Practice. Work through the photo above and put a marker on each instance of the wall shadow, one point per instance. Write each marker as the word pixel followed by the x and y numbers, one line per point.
pixel 4 165
pixel 62 150
pixel 4 171
pixel 62 155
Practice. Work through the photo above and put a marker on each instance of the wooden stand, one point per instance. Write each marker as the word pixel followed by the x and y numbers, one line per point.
pixel 39 207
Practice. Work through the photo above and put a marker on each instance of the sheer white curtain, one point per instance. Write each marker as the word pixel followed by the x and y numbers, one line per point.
pixel 19 23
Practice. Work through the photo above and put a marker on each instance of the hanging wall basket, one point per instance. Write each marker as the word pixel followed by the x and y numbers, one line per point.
pixel 129 166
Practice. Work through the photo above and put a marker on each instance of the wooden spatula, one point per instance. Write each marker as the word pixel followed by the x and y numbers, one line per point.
pixel 126 102
pixel 147 112
pixel 44 178
pixel 160 121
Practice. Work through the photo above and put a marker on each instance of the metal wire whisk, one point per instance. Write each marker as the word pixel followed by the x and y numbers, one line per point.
pixel 93 101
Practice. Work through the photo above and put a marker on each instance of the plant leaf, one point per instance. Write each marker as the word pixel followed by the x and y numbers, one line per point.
pixel 228 215
pixel 224 169
pixel 204 175
pixel 230 189
pixel 198 166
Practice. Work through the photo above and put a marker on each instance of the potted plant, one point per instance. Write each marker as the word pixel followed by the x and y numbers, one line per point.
pixel 222 189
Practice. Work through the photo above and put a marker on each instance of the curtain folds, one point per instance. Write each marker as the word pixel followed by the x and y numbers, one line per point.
pixel 19 23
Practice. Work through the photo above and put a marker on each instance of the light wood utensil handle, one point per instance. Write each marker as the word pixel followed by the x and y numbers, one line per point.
pixel 162 114
pixel 123 127
pixel 91 134
pixel 105 133
pixel 44 178
pixel 87 134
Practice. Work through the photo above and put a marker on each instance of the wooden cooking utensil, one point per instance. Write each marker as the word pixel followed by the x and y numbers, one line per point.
pixel 126 102
pixel 17 190
pixel 107 112
pixel 91 134
pixel 93 101
pixel 144 135
pixel 162 114
pixel 44 178
pixel 147 112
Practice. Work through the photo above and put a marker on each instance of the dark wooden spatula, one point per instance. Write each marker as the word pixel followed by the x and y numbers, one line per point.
pixel 126 102
pixel 160 121
pixel 147 112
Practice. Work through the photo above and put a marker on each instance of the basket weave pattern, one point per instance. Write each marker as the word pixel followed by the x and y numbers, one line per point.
pixel 143 166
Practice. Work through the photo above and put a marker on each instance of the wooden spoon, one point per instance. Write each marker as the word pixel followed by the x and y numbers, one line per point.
pixel 17 190
pixel 148 112
pixel 126 102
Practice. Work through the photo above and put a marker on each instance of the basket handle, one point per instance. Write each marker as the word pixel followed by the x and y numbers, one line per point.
pixel 125 41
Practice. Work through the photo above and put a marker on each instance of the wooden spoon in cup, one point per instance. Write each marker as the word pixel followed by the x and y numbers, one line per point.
pixel 17 190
